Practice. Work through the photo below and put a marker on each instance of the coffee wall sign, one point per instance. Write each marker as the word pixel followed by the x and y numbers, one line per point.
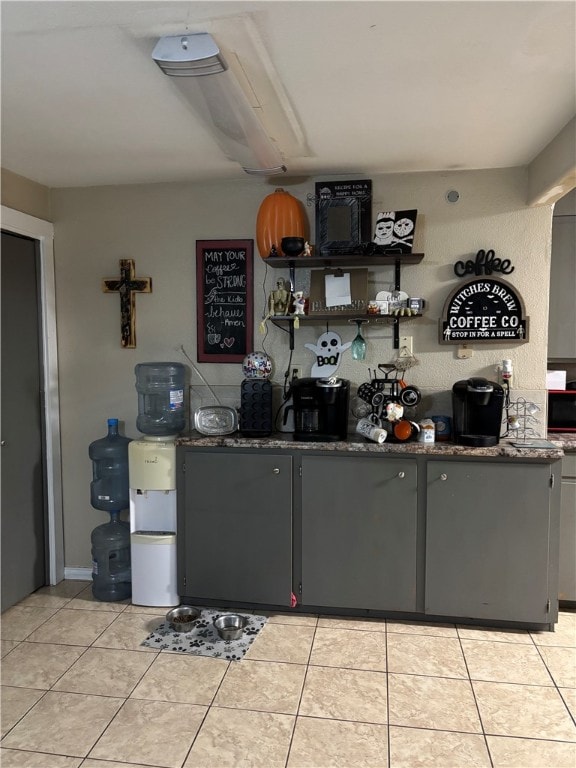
pixel 485 263
pixel 485 309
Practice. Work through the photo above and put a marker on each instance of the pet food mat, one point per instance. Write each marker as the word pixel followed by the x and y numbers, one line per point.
pixel 203 639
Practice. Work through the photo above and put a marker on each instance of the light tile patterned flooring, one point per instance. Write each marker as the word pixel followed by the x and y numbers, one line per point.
pixel 78 689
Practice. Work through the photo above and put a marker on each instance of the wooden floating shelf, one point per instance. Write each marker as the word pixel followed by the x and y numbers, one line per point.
pixel 349 260
pixel 340 317
pixel 344 261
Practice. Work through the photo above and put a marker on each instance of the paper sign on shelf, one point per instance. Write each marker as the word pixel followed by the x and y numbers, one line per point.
pixel 348 291
pixel 338 290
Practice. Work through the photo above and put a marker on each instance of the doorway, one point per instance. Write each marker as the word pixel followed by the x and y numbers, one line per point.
pixel 23 469
pixel 39 235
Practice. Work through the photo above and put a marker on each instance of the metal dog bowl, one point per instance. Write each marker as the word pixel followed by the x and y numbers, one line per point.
pixel 183 618
pixel 230 626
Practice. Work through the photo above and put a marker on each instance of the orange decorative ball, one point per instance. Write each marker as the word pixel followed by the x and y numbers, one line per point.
pixel 280 215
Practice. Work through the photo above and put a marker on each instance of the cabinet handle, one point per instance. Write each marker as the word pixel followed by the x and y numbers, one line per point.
pixel 443 476
pixel 276 471
pixel 401 475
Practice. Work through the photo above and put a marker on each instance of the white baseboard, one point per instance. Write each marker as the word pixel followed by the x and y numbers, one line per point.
pixel 78 574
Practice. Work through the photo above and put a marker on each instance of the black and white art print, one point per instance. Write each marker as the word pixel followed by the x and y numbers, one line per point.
pixel 394 231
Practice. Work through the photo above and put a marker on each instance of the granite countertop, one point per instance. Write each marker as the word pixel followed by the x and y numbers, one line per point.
pixel 564 440
pixel 283 440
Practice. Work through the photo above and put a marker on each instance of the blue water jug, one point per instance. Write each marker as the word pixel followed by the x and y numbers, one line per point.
pixel 111 569
pixel 161 406
pixel 109 489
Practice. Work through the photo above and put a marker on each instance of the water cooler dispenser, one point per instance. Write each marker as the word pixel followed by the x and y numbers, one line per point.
pixel 152 466
pixel 152 472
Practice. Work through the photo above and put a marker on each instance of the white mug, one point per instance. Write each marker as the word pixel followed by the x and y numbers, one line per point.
pixel 366 428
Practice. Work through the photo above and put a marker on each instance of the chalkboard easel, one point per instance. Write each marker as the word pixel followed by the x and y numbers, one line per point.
pixel 224 306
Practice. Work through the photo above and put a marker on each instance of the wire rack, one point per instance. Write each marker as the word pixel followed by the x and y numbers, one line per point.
pixel 522 421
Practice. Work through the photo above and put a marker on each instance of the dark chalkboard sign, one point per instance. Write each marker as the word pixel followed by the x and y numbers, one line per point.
pixel 224 293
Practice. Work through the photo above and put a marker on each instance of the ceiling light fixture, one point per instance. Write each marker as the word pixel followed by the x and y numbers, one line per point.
pixel 203 73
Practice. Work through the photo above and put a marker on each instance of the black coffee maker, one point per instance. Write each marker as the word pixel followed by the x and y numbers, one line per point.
pixel 320 409
pixel 477 406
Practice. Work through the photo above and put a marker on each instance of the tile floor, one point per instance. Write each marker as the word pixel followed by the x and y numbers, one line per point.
pixel 78 689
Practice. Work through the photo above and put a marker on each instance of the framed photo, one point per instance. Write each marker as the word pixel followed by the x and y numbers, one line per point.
pixel 224 300
pixel 343 216
pixel 394 231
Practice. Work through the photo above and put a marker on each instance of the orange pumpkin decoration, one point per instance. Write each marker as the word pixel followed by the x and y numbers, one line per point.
pixel 280 215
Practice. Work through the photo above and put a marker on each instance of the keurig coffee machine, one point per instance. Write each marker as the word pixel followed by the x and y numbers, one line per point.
pixel 320 409
pixel 477 406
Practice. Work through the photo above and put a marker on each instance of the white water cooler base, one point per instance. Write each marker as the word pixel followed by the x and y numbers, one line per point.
pixel 154 569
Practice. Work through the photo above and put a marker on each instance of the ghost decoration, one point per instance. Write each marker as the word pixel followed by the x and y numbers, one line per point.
pixel 328 350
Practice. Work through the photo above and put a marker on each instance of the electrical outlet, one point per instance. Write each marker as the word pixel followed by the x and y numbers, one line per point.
pixel 505 377
pixel 405 346
pixel 464 352
pixel 295 372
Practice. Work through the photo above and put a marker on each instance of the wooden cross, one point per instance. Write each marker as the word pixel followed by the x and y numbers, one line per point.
pixel 127 287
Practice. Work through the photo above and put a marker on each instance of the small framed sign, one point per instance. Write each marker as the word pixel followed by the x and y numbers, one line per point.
pixel 224 300
pixel 485 309
pixel 343 216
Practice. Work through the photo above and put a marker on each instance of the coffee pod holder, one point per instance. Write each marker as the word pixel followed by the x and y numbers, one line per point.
pixel 521 420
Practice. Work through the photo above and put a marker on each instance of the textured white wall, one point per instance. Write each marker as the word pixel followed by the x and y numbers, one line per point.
pixel 157 225
pixel 489 214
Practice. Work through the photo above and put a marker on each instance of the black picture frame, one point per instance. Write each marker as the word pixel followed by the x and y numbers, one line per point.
pixel 343 216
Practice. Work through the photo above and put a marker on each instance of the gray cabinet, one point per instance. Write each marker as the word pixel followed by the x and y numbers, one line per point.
pixel 419 535
pixel 567 562
pixel 235 526
pixel 359 519
pixel 488 541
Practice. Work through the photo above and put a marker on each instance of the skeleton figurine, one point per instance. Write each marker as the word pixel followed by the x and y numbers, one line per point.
pixel 279 302
pixel 279 299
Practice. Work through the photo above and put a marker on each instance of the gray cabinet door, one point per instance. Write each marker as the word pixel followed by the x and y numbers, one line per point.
pixel 487 541
pixel 359 532
pixel 236 520
pixel 567 562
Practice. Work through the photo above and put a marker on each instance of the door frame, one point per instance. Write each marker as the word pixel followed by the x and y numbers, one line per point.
pixel 43 232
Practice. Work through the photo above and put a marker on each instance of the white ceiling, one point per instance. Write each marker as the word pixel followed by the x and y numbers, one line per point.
pixel 347 86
